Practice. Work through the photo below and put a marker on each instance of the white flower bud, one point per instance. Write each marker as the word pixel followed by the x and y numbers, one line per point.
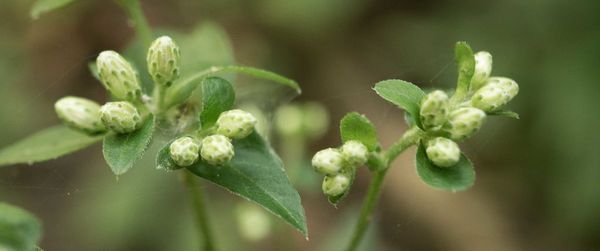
pixel 288 120
pixel 443 152
pixel 464 122
pixel 184 151
pixel 80 114
pixel 118 76
pixel 164 61
pixel 235 124
pixel 121 116
pixel 355 153
pixel 483 69
pixel 217 150
pixel 328 161
pixel 434 109
pixel 497 93
pixel 336 185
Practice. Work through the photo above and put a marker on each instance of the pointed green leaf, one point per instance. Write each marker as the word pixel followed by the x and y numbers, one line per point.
pixel 256 173
pixel 455 178
pixel 466 68
pixel 355 126
pixel 121 151
pixel 217 96
pixel 42 6
pixel 47 144
pixel 403 94
pixel 504 113
pixel 19 230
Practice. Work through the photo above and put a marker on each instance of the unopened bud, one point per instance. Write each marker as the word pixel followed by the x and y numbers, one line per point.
pixel 217 150
pixel 121 116
pixel 497 93
pixel 434 109
pixel 328 161
pixel 164 61
pixel 118 76
pixel 336 185
pixel 355 153
pixel 80 114
pixel 483 69
pixel 235 124
pixel 443 152
pixel 464 122
pixel 184 151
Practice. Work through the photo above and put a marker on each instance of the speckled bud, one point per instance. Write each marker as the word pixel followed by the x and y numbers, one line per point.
pixel 120 117
pixel 118 76
pixel 164 59
pixel 355 153
pixel 497 93
pixel 80 114
pixel 235 124
pixel 328 161
pixel 443 152
pixel 336 185
pixel 434 109
pixel 217 150
pixel 464 122
pixel 483 69
pixel 184 151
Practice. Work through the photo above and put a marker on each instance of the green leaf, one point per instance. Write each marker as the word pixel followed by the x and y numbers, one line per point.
pixel 43 6
pixel 47 144
pixel 163 159
pixel 465 61
pixel 403 94
pixel 356 126
pixel 122 150
pixel 19 230
pixel 504 113
pixel 455 178
pixel 256 173
pixel 217 96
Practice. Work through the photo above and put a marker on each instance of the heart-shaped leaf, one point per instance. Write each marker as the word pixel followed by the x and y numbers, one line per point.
pixel 19 230
pixel 47 144
pixel 403 94
pixel 455 178
pixel 217 96
pixel 355 126
pixel 121 151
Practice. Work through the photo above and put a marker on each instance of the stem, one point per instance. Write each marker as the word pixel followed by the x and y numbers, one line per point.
pixel 198 202
pixel 135 13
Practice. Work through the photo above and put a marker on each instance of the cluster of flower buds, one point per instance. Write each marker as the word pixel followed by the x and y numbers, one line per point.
pixel 215 149
pixel 338 165
pixel 459 121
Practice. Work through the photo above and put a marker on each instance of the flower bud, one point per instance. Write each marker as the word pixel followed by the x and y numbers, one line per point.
pixel 217 150
pixel 336 185
pixel 434 109
pixel 355 153
pixel 497 93
pixel 328 161
pixel 235 124
pixel 118 76
pixel 80 114
pixel 464 122
pixel 288 120
pixel 184 151
pixel 121 116
pixel 443 152
pixel 483 69
pixel 164 60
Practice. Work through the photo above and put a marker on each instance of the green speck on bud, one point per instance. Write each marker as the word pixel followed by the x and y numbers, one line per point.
pixel 443 152
pixel 164 60
pixel 497 93
pixel 120 117
pixel 355 153
pixel 80 114
pixel 118 76
pixel 184 151
pixel 328 161
pixel 235 124
pixel 216 150
pixel 336 185
pixel 434 109
pixel 464 122
pixel 483 69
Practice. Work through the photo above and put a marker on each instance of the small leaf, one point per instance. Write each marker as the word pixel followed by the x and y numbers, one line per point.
pixel 164 161
pixel 403 94
pixel 42 6
pixel 455 178
pixel 217 96
pixel 47 144
pixel 504 113
pixel 466 68
pixel 355 126
pixel 256 173
pixel 122 150
pixel 19 230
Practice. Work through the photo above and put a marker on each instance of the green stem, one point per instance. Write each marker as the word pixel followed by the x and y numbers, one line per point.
pixel 135 13
pixel 199 204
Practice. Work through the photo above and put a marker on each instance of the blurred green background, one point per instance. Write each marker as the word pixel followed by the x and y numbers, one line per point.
pixel 538 185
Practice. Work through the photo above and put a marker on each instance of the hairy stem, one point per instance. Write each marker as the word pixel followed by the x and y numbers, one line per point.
pixel 199 205
pixel 135 13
